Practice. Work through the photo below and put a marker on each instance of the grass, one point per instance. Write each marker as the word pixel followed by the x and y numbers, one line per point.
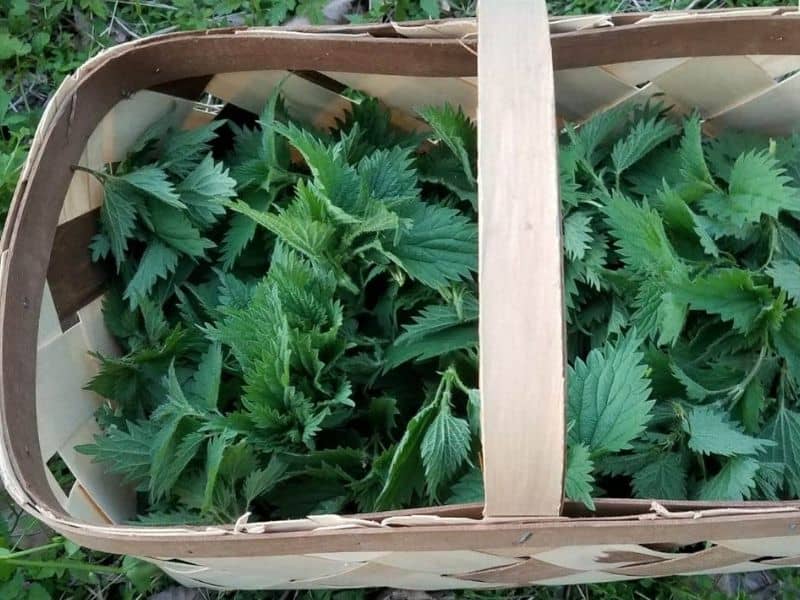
pixel 43 41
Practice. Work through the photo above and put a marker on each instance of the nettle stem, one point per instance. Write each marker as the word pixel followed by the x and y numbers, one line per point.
pixel 15 558
pixel 97 174
pixel 64 564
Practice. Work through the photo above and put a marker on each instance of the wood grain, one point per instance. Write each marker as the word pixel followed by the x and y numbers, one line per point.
pixel 521 306
pixel 73 278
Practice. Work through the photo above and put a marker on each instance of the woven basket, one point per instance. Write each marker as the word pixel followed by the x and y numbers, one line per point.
pixel 737 67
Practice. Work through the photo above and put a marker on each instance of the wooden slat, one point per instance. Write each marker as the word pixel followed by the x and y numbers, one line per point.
pixel 521 306
pixel 74 279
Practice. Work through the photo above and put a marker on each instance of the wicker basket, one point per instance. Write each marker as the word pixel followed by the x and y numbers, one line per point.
pixel 736 67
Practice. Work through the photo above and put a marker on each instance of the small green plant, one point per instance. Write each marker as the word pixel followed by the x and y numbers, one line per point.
pixel 36 565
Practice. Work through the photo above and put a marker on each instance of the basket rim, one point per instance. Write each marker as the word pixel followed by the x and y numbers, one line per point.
pixel 27 243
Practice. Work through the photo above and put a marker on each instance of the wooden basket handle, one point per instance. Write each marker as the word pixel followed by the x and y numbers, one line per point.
pixel 522 355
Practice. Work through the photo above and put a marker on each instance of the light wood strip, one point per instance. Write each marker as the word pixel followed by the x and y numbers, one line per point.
pixel 521 306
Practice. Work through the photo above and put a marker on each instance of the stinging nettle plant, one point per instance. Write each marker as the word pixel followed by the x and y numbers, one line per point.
pixel 298 314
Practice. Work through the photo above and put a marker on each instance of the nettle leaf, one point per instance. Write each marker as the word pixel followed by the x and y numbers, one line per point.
pixel 204 386
pixel 158 261
pixel 643 137
pixel 337 180
pixel 751 405
pixel 215 452
pixel 406 461
pixel 125 452
pixel 757 187
pixel 153 182
pixel 452 127
pixel 593 135
pixel 261 481
pixel 784 430
pixel 608 396
pixel 183 148
pixel 693 162
pixel 729 293
pixel 577 234
pixel 787 339
pixel 786 275
pixel 735 481
pixel 662 477
pixel 439 247
pixel 204 190
pixel 444 448
pixel 578 480
pixel 640 237
pixel 468 489
pixel 711 432
pixel 118 217
pixel 175 229
pixel 436 330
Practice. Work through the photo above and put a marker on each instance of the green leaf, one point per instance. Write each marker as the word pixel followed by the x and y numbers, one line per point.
pixel 693 164
pixel 165 443
pixel 751 405
pixel 182 149
pixel 577 234
pixel 578 480
pixel 734 482
pixel 440 247
pixel 643 137
pixel 152 182
pixel 182 453
pixel 640 237
pixel 118 217
pixel 406 461
pixel 786 275
pixel 125 452
pixel 295 225
pixel 609 396
pixel 787 339
pixel 710 432
pixel 175 229
pixel 729 293
pixel 204 190
pixel 436 330
pixel 439 166
pixel 261 481
pixel 11 46
pixel 591 138
pixel 337 180
pixel 671 319
pixel 444 448
pixel 468 489
pixel 430 8
pixel 158 261
pixel 784 430
pixel 662 478
pixel 215 451
pixel 757 187
pixel 205 383
pixel 453 128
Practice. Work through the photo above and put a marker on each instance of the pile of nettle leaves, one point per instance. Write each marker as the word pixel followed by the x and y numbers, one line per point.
pixel 298 314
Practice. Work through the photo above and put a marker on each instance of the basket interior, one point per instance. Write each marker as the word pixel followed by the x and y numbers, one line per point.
pixel 759 93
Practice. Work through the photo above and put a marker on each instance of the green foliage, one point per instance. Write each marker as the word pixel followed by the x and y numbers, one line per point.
pixel 274 311
pixel 327 309
pixel 35 565
pixel 692 244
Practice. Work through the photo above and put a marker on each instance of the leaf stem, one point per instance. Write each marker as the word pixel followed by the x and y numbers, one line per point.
pixel 98 174
pixel 64 564
pixel 29 551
